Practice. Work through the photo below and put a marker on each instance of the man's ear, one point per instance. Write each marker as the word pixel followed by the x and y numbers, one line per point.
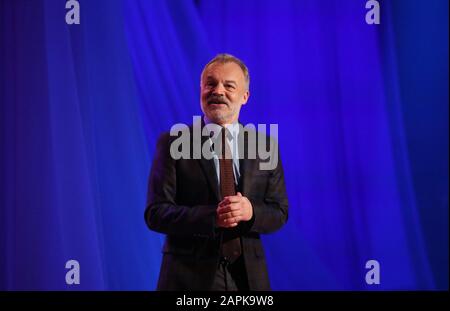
pixel 246 96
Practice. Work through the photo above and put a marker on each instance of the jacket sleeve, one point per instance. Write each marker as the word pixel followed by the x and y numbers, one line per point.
pixel 271 212
pixel 162 213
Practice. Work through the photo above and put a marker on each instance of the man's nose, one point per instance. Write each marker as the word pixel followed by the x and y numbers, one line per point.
pixel 219 89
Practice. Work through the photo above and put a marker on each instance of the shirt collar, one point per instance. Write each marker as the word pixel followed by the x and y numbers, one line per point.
pixel 233 127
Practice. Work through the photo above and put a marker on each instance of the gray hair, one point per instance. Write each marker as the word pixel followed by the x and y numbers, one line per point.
pixel 228 58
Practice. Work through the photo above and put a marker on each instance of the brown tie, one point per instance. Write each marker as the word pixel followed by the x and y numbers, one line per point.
pixel 231 244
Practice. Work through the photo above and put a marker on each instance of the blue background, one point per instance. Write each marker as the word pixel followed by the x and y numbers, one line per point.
pixel 363 129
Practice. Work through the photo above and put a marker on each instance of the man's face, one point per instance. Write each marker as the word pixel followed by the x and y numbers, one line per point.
pixel 223 92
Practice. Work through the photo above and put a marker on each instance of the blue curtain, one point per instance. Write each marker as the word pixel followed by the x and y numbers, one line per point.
pixel 363 129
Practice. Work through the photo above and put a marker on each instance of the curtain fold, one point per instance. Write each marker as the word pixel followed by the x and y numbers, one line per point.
pixel 83 105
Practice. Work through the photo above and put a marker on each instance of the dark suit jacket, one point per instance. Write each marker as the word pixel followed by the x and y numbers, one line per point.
pixel 182 200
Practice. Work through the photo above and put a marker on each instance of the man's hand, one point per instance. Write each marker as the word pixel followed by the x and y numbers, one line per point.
pixel 233 209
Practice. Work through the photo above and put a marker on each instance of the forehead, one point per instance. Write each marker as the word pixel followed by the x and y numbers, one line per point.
pixel 227 71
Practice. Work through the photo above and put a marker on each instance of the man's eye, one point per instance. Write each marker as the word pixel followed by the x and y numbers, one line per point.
pixel 229 86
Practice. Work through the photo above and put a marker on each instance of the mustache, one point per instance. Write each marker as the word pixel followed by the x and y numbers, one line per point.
pixel 214 99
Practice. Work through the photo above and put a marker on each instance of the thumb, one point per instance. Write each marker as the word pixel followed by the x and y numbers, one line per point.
pixel 239 194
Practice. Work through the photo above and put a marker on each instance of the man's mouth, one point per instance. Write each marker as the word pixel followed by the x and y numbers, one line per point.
pixel 217 102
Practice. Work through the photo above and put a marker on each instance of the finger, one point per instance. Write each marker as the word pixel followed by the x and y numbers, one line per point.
pixel 223 216
pixel 227 224
pixel 227 217
pixel 232 220
pixel 239 194
pixel 230 224
pixel 237 219
pixel 230 215
pixel 223 208
pixel 229 208
pixel 237 213
pixel 225 201
pixel 233 198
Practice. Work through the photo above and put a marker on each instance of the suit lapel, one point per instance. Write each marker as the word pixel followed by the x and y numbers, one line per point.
pixel 209 169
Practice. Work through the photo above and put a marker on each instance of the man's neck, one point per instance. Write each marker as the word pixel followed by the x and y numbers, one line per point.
pixel 207 121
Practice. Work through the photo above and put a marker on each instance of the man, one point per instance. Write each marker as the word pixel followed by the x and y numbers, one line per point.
pixel 214 210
